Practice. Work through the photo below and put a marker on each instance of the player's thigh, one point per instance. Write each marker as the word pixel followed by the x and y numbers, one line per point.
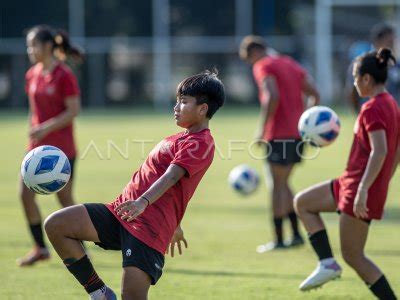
pixel 73 222
pixel 317 198
pixel 353 236
pixel 24 192
pixel 279 173
pixel 135 283
pixel 65 195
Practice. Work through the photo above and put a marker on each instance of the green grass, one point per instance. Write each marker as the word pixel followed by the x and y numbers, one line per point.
pixel 222 228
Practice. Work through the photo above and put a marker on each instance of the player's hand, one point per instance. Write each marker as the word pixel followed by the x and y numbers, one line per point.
pixel 360 208
pixel 177 238
pixel 131 209
pixel 258 138
pixel 37 133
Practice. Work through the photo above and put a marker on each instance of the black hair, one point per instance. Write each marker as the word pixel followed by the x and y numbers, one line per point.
pixel 380 31
pixel 251 43
pixel 206 87
pixel 62 47
pixel 375 63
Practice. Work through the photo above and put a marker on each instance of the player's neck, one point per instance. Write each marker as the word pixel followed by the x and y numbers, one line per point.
pixel 48 64
pixel 378 90
pixel 198 126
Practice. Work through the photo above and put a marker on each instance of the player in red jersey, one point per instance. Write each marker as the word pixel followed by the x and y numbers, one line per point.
pixel 144 220
pixel 282 85
pixel 54 102
pixel 359 194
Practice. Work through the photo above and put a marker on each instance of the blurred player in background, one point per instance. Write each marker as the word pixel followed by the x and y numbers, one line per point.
pixel 54 101
pixel 145 219
pixel 359 194
pixel 382 36
pixel 282 85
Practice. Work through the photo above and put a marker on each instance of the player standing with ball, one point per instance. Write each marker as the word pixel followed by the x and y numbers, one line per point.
pixel 282 83
pixel 54 101
pixel 359 194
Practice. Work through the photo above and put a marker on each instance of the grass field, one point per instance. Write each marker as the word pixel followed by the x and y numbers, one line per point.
pixel 222 228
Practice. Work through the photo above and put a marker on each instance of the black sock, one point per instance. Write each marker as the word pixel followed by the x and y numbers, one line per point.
pixel 293 221
pixel 37 233
pixel 320 242
pixel 382 289
pixel 278 230
pixel 84 272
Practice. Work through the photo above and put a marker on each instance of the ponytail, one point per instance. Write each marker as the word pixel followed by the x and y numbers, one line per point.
pixel 63 47
pixel 375 63
pixel 383 56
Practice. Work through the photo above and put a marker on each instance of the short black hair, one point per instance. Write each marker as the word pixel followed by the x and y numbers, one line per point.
pixel 250 43
pixel 375 63
pixel 206 87
pixel 380 31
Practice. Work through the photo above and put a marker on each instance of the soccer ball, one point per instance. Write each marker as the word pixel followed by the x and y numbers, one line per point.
pixel 45 170
pixel 244 179
pixel 319 125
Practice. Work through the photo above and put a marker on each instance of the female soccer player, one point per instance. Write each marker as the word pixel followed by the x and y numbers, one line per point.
pixel 359 194
pixel 54 102
pixel 282 83
pixel 145 218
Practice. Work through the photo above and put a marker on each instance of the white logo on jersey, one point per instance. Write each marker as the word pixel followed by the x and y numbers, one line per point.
pixel 50 90
pixel 128 252
pixel 157 266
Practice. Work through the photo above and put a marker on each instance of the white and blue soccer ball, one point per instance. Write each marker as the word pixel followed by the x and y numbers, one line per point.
pixel 45 170
pixel 244 179
pixel 319 125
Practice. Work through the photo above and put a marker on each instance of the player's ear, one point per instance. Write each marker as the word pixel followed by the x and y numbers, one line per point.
pixel 366 78
pixel 204 109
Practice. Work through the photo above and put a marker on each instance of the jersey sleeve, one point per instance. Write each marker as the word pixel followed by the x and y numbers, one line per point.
pixel 372 120
pixel 69 85
pixel 194 155
pixel 261 71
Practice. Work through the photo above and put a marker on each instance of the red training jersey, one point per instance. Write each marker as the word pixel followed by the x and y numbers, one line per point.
pixel 289 76
pixel 156 225
pixel 47 94
pixel 379 113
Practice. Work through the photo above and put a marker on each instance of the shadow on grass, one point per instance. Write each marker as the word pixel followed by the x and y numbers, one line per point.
pixel 234 274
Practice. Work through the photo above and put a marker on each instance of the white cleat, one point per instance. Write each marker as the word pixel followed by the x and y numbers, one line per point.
pixel 321 275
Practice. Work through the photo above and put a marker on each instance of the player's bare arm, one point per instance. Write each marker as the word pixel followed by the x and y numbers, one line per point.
pixel 72 109
pixel 376 159
pixel 271 92
pixel 129 210
pixel 311 92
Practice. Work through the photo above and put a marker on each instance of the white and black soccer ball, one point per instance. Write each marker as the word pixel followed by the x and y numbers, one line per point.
pixel 319 125
pixel 45 170
pixel 244 179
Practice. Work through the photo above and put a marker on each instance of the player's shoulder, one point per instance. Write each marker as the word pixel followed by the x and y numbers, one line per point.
pixel 32 71
pixel 64 70
pixel 199 139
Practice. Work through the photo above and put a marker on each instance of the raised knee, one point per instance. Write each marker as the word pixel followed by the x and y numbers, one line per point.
pixel 299 203
pixel 53 224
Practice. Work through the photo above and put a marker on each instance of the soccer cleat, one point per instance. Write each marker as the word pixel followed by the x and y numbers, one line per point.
pixel 35 255
pixel 105 293
pixel 295 241
pixel 321 275
pixel 270 247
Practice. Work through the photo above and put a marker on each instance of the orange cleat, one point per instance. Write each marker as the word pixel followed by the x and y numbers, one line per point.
pixel 35 255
